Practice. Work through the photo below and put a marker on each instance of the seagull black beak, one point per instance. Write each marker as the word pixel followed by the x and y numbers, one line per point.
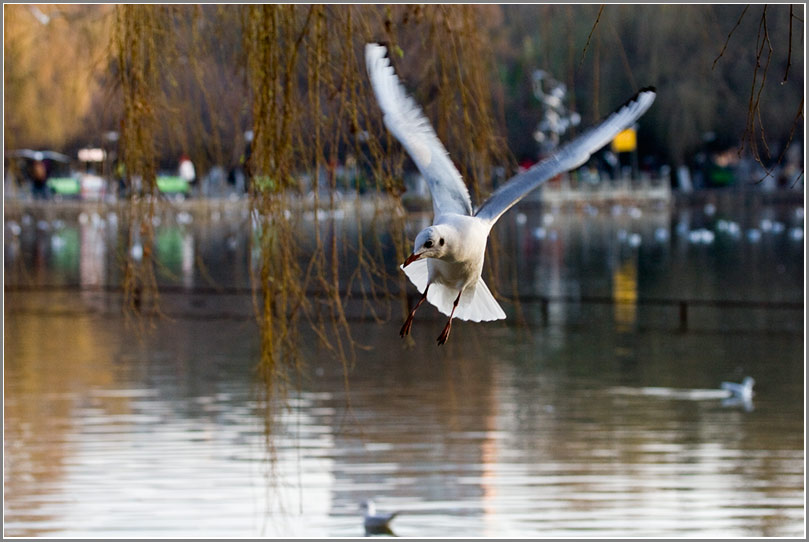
pixel 410 259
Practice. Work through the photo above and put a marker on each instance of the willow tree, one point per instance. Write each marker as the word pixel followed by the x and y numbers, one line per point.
pixel 310 106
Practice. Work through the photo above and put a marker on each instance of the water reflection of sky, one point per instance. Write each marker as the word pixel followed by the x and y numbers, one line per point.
pixel 492 437
pixel 508 431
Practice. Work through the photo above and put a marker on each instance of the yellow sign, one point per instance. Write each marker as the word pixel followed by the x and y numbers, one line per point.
pixel 626 141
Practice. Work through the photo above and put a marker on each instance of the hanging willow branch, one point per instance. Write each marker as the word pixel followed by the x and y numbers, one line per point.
pixel 313 108
pixel 139 31
pixel 298 72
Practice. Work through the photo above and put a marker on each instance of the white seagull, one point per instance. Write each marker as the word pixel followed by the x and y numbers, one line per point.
pixel 447 258
pixel 743 391
pixel 374 522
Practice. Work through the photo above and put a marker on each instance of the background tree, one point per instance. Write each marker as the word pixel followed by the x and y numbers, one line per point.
pixel 606 54
pixel 53 56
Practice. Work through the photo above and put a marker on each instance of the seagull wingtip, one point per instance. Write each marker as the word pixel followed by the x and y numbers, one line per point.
pixel 374 53
pixel 374 48
pixel 646 94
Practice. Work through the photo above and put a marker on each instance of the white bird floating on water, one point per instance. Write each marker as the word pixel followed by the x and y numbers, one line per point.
pixel 743 391
pixel 374 522
pixel 447 259
pixel 731 393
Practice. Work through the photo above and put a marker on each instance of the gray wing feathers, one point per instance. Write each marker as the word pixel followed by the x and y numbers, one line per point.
pixel 569 156
pixel 407 123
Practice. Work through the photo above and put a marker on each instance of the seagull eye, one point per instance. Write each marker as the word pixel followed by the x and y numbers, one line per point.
pixel 428 244
pixel 441 242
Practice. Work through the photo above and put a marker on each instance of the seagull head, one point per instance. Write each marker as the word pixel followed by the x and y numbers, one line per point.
pixel 747 386
pixel 430 243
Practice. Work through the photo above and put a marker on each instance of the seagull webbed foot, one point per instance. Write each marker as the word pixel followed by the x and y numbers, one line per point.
pixel 409 322
pixel 405 331
pixel 445 334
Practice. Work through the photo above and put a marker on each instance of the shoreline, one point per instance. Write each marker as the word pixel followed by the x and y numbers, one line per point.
pixel 372 204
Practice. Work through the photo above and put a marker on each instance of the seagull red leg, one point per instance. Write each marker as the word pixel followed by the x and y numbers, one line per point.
pixel 409 322
pixel 445 334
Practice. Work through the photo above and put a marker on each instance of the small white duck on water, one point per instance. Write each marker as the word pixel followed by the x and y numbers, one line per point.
pixel 374 522
pixel 743 391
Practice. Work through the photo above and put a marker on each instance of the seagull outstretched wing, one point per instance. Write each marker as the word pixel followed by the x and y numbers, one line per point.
pixel 569 156
pixel 407 122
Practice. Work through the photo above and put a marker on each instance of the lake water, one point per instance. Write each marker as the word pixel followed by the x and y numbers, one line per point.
pixel 595 415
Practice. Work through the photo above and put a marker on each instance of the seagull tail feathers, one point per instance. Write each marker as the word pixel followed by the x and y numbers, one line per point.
pixel 477 302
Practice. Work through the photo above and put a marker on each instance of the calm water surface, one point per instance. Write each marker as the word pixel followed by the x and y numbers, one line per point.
pixel 588 421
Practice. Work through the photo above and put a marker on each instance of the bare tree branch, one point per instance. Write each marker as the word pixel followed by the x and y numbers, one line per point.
pixel 795 124
pixel 754 103
pixel 789 53
pixel 724 47
pixel 624 58
pixel 586 45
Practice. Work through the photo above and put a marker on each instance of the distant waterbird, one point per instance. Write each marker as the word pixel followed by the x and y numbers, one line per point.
pixel 731 393
pixel 743 390
pixel 447 258
pixel 374 522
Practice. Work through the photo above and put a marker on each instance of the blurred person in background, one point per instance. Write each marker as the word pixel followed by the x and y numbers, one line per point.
pixel 187 171
pixel 39 179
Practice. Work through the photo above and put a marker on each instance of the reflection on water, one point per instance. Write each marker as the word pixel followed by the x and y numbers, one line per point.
pixel 625 294
pixel 605 421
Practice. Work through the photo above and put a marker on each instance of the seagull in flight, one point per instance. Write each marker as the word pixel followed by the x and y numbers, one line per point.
pixel 447 258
